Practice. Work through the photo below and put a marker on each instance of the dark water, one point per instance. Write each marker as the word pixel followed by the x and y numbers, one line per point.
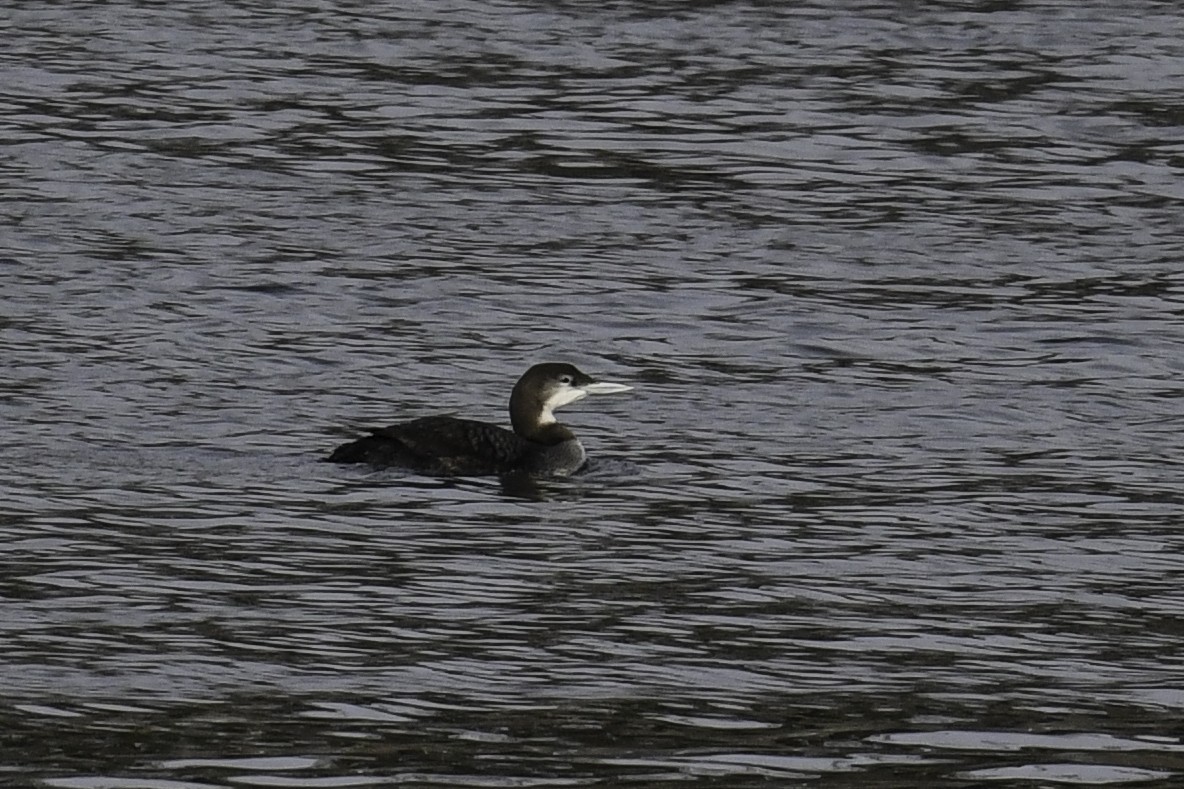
pixel 897 500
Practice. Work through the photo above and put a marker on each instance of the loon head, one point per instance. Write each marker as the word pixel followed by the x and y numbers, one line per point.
pixel 545 387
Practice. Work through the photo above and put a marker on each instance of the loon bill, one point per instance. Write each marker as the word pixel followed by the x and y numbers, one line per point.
pixel 447 446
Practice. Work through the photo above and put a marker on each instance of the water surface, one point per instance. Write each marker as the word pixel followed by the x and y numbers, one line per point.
pixel 896 501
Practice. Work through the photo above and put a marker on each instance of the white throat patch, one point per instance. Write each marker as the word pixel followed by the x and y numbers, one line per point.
pixel 562 397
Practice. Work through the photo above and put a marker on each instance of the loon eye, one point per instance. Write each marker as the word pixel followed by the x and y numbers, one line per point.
pixel 565 379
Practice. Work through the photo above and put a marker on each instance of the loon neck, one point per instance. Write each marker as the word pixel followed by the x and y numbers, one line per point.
pixel 533 420
pixel 541 431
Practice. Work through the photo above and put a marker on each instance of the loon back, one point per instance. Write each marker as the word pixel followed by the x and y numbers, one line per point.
pixel 441 445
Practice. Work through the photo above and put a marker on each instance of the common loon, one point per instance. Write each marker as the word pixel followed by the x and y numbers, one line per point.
pixel 447 446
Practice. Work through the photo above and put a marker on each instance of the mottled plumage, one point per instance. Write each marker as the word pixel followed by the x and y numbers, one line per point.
pixel 440 445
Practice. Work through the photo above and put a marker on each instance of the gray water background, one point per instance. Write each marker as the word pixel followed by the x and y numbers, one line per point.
pixel 896 502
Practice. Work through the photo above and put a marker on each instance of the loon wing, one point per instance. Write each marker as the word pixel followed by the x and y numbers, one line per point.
pixel 439 445
pixel 459 446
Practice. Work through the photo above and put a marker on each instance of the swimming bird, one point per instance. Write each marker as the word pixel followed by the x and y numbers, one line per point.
pixel 447 446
